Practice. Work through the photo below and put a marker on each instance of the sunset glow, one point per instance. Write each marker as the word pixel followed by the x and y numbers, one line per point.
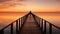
pixel 27 5
pixel 11 10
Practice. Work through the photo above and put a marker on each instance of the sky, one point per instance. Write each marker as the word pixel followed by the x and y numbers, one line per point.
pixel 29 5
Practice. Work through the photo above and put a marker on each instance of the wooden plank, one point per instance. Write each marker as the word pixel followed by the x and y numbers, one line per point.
pixel 30 27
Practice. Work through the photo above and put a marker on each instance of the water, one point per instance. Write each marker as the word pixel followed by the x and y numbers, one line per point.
pixel 53 18
pixel 6 18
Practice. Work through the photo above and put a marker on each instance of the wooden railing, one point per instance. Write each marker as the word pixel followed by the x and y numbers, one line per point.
pixel 42 24
pixel 19 24
pixel 39 21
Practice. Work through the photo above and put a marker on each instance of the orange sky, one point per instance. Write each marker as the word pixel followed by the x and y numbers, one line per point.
pixel 27 5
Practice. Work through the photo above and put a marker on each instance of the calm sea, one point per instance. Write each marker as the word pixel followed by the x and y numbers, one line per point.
pixel 6 18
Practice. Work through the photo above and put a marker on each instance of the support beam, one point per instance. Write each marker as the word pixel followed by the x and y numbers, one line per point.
pixel 16 26
pixel 21 20
pixel 12 28
pixel 1 31
pixel 39 22
pixel 50 28
pixel 44 27
pixel 42 24
pixel 19 24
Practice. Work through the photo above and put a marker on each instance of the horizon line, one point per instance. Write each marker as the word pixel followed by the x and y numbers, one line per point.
pixel 31 11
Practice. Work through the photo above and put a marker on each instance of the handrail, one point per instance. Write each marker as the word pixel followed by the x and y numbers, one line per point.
pixel 11 24
pixel 43 26
pixel 7 25
pixel 23 19
pixel 47 22
pixel 53 25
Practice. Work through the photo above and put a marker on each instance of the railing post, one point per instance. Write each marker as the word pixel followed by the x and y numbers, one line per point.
pixel 39 22
pixel 33 16
pixel 12 28
pixel 19 24
pixel 42 24
pixel 16 26
pixel 50 28
pixel 21 20
pixel 1 31
pixel 44 27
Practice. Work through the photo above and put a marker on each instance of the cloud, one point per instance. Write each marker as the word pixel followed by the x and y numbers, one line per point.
pixel 29 3
pixel 10 0
pixel 9 3
pixel 21 0
pixel 4 0
pixel 57 0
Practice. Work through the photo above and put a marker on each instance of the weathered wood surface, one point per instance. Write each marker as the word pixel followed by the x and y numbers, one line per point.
pixel 30 27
